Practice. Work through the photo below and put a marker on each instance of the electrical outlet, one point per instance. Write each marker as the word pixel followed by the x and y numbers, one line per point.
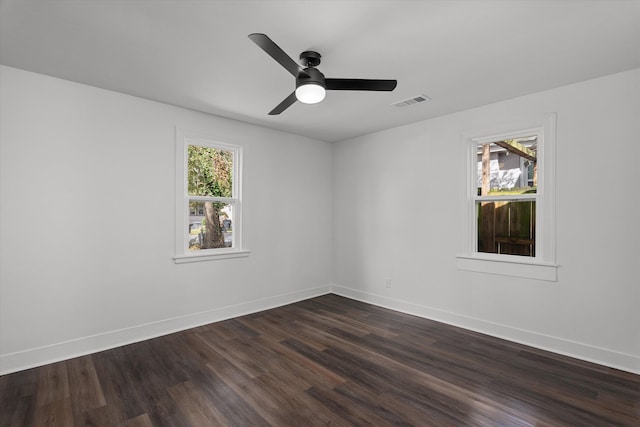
pixel 388 283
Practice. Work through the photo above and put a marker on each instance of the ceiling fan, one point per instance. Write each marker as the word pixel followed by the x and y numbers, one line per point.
pixel 310 82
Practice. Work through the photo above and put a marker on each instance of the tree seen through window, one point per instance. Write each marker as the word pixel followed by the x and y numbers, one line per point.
pixel 210 174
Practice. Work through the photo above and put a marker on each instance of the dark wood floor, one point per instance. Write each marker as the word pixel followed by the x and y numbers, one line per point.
pixel 324 361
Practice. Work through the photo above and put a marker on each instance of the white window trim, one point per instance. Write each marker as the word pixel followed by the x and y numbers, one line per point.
pixel 543 266
pixel 182 253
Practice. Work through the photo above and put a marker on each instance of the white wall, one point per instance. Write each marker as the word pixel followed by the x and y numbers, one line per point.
pixel 87 217
pixel 87 221
pixel 396 212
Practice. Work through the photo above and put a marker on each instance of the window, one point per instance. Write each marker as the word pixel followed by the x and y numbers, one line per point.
pixel 510 201
pixel 505 203
pixel 208 202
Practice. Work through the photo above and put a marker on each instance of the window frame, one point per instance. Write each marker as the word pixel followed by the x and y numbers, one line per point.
pixel 182 253
pixel 543 265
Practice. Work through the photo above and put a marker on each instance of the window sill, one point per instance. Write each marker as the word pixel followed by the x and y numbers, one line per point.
pixel 520 268
pixel 182 259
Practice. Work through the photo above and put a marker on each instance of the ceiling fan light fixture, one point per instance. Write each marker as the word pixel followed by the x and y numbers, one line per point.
pixel 310 93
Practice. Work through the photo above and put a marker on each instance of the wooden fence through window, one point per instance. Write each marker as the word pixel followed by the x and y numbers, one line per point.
pixel 507 227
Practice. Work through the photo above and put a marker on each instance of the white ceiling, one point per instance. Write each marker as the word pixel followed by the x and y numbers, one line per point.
pixel 196 54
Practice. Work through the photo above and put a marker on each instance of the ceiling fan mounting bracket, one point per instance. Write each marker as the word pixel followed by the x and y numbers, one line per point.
pixel 310 58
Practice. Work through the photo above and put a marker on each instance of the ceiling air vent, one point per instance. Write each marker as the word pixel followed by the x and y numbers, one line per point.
pixel 411 101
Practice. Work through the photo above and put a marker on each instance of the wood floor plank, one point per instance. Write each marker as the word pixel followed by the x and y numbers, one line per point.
pixel 149 376
pixel 197 410
pixel 18 398
pixel 385 407
pixel 294 403
pixel 323 361
pixel 139 421
pixel 53 384
pixel 281 405
pixel 347 411
pixel 245 361
pixel 20 413
pixel 56 413
pixel 326 376
pixel 222 394
pixel 84 386
pixel 112 368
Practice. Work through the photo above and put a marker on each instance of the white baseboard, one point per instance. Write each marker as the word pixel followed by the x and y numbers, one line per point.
pixel 613 359
pixel 39 356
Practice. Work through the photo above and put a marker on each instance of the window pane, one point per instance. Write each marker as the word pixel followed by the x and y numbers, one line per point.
pixel 507 167
pixel 211 229
pixel 209 171
pixel 507 227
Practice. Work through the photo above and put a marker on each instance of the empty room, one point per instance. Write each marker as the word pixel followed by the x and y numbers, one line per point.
pixel 317 212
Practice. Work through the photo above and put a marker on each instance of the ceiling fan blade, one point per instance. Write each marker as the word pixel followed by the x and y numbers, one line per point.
pixel 276 53
pixel 288 102
pixel 360 84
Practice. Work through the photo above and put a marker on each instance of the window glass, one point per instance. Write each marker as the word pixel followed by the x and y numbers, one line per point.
pixel 210 171
pixel 209 175
pixel 507 167
pixel 506 181
pixel 507 227
pixel 213 228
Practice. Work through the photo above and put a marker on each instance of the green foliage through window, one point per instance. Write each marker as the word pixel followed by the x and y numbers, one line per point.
pixel 209 174
pixel 209 171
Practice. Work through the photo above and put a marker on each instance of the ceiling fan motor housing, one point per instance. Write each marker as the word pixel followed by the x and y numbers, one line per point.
pixel 313 76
